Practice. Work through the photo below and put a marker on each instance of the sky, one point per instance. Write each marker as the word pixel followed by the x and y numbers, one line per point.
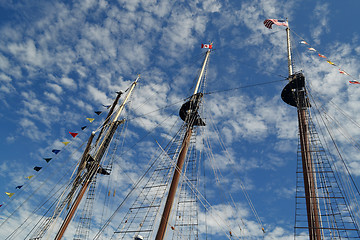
pixel 62 60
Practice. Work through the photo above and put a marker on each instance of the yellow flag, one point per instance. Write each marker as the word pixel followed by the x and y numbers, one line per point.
pixel 29 177
pixel 9 194
pixel 331 63
pixel 66 143
pixel 90 119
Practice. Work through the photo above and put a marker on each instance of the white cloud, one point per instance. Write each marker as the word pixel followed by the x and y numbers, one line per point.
pixel 68 82
pixel 212 6
pixel 321 13
pixel 52 96
pixel 30 130
pixel 97 95
pixel 4 62
pixel 10 139
pixel 56 88
pixel 27 52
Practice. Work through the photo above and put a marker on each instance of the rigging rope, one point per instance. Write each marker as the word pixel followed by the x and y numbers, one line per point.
pixel 350 189
pixel 241 184
pixel 196 192
pixel 247 86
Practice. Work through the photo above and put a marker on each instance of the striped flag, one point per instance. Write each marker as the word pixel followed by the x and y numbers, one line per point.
pixel 354 82
pixel 269 22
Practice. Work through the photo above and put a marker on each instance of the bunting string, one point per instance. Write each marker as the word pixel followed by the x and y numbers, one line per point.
pixel 340 69
pixel 55 151
pixel 270 22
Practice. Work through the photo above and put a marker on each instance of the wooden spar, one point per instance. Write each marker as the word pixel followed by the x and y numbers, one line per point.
pixel 202 72
pixel 107 119
pixel 173 187
pixel 73 208
pixel 179 165
pixel 81 167
pixel 307 163
pixel 308 173
pixel 82 164
pixel 95 165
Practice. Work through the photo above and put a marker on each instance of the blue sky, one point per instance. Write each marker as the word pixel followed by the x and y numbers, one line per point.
pixel 60 61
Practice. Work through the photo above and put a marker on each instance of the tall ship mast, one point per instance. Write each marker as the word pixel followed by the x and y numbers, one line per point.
pixel 166 200
pixel 89 166
pixel 189 114
pixel 204 146
pixel 321 205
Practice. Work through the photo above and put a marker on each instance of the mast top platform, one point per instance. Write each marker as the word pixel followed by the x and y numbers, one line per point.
pixel 289 93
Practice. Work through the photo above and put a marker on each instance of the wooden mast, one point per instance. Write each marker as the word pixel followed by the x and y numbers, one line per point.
pixel 298 88
pixel 94 163
pixel 195 100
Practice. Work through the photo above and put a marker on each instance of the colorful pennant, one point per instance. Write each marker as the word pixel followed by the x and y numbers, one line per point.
pixel 90 119
pixel 37 168
pixel 9 194
pixel 56 151
pixel 354 81
pixel 331 63
pixel 73 134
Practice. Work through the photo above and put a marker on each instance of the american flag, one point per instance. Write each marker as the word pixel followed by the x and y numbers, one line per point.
pixel 269 22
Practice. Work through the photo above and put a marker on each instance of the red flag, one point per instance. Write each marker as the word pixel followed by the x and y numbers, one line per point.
pixel 343 72
pixel 209 46
pixel 354 82
pixel 269 22
pixel 73 134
